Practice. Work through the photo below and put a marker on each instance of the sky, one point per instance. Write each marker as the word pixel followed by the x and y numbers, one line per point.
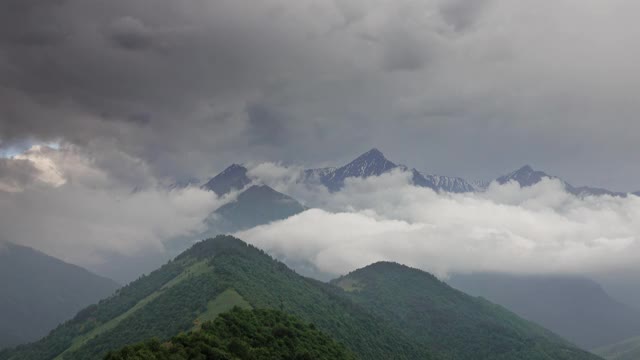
pixel 103 105
pixel 453 87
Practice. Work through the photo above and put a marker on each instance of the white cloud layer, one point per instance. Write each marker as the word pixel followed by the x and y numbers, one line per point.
pixel 76 208
pixel 541 229
pixel 87 204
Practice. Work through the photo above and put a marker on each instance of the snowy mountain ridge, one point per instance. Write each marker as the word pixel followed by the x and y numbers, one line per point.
pixel 374 163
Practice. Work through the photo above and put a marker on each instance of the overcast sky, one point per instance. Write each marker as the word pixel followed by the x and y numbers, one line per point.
pixel 105 103
pixel 468 88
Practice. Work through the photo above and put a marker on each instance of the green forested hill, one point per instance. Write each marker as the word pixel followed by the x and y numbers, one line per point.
pixel 246 335
pixel 212 277
pixel 451 323
pixel 388 312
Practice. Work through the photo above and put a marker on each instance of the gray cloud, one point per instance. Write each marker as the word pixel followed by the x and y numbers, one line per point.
pixel 469 88
pixel 81 207
pixel 405 52
pixel 30 23
pixel 130 33
pixel 16 174
pixel 461 14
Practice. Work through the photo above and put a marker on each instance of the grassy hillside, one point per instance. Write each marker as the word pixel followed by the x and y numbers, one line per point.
pixel 386 312
pixel 38 292
pixel 213 276
pixel 625 350
pixel 451 323
pixel 243 334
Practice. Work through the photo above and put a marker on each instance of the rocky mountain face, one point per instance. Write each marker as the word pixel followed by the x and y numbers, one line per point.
pixel 232 178
pixel 374 163
pixel 526 176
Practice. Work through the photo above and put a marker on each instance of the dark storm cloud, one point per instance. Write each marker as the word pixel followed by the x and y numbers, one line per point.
pixel 130 33
pixel 471 88
pixel 87 87
pixel 267 126
pixel 404 52
pixel 30 23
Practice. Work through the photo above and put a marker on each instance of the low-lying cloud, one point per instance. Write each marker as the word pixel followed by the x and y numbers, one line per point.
pixel 87 205
pixel 539 229
pixel 72 207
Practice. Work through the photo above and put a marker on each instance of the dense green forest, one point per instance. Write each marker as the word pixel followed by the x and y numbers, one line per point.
pixel 245 335
pixel 404 314
pixel 452 323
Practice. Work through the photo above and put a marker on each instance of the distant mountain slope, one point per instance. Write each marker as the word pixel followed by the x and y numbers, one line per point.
pixel 374 163
pixel 575 308
pixel 232 178
pixel 453 324
pixel 389 311
pixel 243 334
pixel 257 205
pixel 183 183
pixel 444 183
pixel 628 349
pixel 318 174
pixel 526 176
pixel 38 292
pixel 371 163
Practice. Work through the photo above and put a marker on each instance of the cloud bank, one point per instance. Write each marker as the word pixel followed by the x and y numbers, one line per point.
pixel 88 206
pixel 536 230
pixel 70 205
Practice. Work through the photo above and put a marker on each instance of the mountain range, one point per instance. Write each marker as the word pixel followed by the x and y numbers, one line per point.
pixel 374 163
pixel 383 311
pixel 39 292
pixel 258 204
pixel 526 176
